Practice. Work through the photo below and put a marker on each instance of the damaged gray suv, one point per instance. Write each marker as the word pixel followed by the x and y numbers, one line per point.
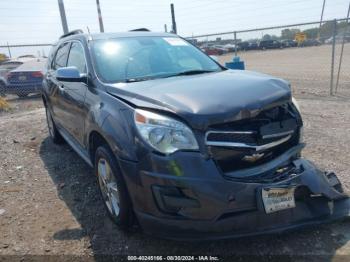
pixel 180 145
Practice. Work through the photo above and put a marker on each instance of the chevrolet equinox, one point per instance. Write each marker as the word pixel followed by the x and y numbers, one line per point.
pixel 180 145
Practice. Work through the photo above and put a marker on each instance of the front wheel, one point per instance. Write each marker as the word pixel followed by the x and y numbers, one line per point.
pixel 113 188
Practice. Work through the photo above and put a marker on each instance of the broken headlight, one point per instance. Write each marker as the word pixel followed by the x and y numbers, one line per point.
pixel 163 133
pixel 296 104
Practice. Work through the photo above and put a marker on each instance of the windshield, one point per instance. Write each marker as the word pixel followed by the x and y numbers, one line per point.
pixel 142 58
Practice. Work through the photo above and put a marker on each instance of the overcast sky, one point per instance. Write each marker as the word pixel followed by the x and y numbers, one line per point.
pixel 38 21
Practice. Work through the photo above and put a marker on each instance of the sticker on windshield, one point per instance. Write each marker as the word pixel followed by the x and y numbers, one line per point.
pixel 175 41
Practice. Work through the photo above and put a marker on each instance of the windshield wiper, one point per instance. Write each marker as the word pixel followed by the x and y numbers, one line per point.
pixel 138 79
pixel 193 72
pixel 146 77
pixel 183 73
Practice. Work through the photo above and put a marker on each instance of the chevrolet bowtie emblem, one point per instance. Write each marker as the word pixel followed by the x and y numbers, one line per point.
pixel 253 158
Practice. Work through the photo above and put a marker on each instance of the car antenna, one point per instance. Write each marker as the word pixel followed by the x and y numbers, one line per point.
pixel 90 37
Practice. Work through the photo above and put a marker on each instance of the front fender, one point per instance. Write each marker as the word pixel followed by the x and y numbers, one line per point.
pixel 108 116
pixel 117 131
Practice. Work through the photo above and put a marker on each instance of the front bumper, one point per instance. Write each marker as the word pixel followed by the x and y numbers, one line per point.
pixel 215 207
pixel 247 223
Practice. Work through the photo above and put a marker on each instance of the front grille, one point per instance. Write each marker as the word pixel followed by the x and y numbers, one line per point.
pixel 234 137
pixel 245 139
pixel 251 142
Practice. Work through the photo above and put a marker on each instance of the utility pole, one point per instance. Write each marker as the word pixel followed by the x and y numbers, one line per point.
pixel 319 30
pixel 99 16
pixel 333 55
pixel 173 18
pixel 63 16
pixel 235 37
pixel 8 48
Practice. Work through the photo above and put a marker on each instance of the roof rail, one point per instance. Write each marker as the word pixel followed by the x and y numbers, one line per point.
pixel 140 30
pixel 74 32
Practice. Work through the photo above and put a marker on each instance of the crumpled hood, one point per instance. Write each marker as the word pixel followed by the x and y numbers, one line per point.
pixel 207 99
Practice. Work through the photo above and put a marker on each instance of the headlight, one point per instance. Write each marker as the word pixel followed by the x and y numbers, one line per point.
pixel 163 133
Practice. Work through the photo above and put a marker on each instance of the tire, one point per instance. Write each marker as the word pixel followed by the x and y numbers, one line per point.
pixel 113 189
pixel 53 132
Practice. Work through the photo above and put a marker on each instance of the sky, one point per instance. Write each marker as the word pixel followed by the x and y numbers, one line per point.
pixel 38 21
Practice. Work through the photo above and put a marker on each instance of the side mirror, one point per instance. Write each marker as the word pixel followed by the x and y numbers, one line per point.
pixel 214 57
pixel 70 74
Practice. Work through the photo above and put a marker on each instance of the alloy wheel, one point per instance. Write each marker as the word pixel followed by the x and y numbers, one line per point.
pixel 108 186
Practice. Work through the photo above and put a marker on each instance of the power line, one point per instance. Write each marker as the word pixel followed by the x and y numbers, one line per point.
pixel 250 5
pixel 265 28
pixel 248 9
pixel 240 19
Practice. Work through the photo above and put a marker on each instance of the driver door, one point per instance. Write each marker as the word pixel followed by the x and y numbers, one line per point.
pixel 73 98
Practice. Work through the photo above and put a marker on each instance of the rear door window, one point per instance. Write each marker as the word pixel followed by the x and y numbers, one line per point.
pixel 61 56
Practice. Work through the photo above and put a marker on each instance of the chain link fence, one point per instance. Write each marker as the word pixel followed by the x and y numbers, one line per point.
pixel 307 55
pixel 313 57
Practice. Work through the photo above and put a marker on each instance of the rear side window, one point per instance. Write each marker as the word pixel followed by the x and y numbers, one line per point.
pixel 61 56
pixel 77 57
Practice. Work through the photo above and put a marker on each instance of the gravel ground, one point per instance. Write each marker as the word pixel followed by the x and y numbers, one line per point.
pixel 21 104
pixel 49 203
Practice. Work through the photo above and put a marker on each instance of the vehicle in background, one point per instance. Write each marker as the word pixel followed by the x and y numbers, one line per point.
pixel 323 40
pixel 253 45
pixel 310 42
pixel 230 47
pixel 26 79
pixel 5 68
pixel 328 40
pixel 269 44
pixel 243 45
pixel 212 50
pixel 248 45
pixel 338 39
pixel 289 43
pixel 346 38
pixel 222 48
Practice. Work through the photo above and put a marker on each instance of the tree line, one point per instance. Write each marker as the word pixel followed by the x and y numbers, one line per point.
pixel 326 31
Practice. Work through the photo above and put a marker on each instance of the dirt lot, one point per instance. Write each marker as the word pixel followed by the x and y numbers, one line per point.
pixel 308 69
pixel 49 203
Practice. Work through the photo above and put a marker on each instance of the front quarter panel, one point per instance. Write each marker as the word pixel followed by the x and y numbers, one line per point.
pixel 108 117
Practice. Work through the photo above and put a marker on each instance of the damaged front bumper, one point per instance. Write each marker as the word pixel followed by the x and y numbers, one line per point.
pixel 248 223
pixel 184 196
